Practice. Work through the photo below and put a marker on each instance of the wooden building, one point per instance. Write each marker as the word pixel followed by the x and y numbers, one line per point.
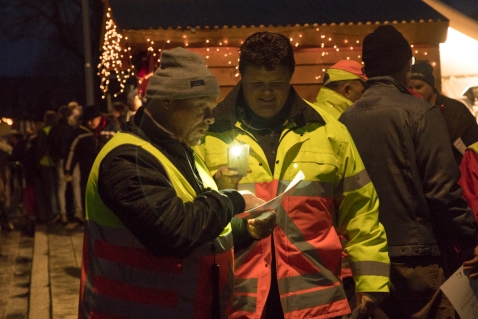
pixel 322 32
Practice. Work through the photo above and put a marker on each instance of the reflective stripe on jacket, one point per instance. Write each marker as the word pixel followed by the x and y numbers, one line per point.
pixel 120 278
pixel 46 159
pixel 336 193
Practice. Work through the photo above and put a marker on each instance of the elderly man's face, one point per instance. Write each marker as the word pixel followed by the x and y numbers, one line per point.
pixel 266 92
pixel 190 118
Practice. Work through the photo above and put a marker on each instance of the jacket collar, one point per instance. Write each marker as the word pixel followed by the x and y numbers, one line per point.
pixel 332 101
pixel 386 80
pixel 146 128
pixel 225 114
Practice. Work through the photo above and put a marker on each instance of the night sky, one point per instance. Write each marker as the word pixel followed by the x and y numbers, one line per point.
pixel 39 53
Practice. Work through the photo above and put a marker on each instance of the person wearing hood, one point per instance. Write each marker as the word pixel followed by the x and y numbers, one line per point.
pixel 88 139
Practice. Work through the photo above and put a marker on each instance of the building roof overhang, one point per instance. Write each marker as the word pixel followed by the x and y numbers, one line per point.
pixel 192 23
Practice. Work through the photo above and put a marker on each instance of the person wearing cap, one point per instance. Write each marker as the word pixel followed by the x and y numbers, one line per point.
pixel 461 124
pixel 158 238
pixel 343 85
pixel 295 273
pixel 404 144
pixel 463 131
pixel 88 139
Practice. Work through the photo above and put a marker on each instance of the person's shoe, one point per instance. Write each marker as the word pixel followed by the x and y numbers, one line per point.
pixel 79 217
pixel 71 225
pixel 55 220
pixel 64 219
pixel 8 226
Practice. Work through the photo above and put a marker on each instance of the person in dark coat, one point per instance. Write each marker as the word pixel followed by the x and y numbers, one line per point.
pixel 404 143
pixel 88 139
pixel 460 122
pixel 5 153
pixel 60 136
pixel 46 188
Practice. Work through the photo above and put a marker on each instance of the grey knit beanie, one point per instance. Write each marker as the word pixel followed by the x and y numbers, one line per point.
pixel 182 75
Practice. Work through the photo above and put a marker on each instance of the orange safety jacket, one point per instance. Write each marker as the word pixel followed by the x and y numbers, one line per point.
pixel 335 194
pixel 121 279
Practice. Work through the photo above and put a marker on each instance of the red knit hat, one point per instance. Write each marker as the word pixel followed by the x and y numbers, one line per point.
pixel 345 70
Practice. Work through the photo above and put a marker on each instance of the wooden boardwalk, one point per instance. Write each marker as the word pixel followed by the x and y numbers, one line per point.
pixel 56 273
pixel 15 274
pixel 40 276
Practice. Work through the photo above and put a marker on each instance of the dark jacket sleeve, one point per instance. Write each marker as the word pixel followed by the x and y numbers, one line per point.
pixel 449 210
pixel 135 186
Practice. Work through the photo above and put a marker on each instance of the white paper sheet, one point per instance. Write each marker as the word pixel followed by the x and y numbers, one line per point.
pixel 463 294
pixel 264 210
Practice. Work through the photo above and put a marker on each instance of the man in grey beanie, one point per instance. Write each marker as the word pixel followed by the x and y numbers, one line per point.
pixel 405 146
pixel 158 238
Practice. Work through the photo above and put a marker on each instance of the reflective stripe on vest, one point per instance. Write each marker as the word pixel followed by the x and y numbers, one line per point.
pixel 121 278
pixel 46 159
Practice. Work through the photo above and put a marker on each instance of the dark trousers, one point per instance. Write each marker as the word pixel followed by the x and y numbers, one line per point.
pixel 415 290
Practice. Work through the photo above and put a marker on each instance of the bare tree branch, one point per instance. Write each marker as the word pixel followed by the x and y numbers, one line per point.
pixel 57 23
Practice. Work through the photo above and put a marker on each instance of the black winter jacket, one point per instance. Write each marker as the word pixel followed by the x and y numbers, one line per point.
pixel 460 122
pixel 135 186
pixel 84 147
pixel 405 146
pixel 59 140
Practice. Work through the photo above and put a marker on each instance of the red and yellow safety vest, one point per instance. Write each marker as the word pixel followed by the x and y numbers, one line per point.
pixel 335 194
pixel 121 279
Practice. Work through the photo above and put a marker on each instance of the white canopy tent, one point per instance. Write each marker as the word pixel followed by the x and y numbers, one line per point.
pixel 459 54
pixel 459 63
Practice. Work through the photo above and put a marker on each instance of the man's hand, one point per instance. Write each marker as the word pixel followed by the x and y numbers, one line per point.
pixel 68 178
pixel 227 178
pixel 251 199
pixel 367 302
pixel 260 228
pixel 470 267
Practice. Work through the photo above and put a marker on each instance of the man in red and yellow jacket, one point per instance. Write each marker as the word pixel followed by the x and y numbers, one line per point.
pixel 295 273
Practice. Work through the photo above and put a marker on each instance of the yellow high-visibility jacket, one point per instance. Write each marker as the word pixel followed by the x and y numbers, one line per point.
pixel 336 196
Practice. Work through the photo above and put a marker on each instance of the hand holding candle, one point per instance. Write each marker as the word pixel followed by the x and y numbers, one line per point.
pixel 237 157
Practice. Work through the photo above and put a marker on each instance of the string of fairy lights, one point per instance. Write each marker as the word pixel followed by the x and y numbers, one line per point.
pixel 117 55
pixel 111 58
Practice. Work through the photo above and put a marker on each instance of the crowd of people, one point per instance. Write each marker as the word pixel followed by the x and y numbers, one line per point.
pixel 52 161
pixel 381 219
